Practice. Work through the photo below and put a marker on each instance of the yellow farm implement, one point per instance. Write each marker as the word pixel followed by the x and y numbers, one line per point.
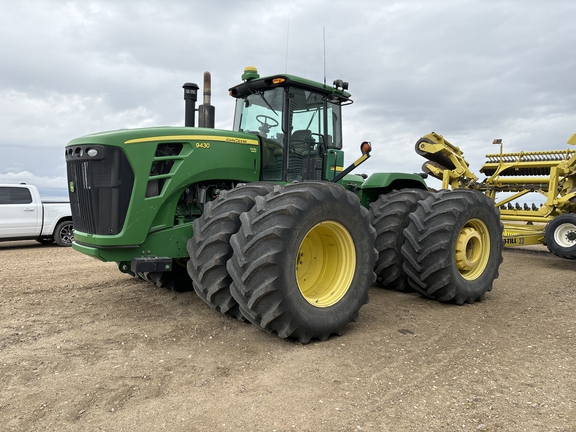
pixel 549 176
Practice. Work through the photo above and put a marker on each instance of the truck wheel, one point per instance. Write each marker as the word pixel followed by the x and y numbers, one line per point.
pixel 176 280
pixel 453 246
pixel 303 261
pixel 210 249
pixel 389 216
pixel 63 234
pixel 560 236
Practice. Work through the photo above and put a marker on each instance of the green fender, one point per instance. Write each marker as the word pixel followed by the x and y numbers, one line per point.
pixel 383 183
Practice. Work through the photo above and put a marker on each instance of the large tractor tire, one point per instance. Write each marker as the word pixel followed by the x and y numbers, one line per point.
pixel 560 236
pixel 303 261
pixel 453 246
pixel 175 280
pixel 209 249
pixel 389 216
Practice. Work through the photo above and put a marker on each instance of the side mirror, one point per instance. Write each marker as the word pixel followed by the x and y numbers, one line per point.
pixel 365 147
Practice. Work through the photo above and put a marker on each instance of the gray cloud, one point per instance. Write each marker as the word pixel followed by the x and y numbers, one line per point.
pixel 471 70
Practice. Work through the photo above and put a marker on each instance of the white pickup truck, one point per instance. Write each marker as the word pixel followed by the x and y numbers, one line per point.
pixel 23 216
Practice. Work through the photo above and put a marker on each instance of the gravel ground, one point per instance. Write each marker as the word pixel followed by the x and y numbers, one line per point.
pixel 84 347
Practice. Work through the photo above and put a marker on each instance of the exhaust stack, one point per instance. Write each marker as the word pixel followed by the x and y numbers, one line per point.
pixel 206 112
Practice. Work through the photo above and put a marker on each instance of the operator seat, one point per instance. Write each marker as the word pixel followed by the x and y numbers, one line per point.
pixel 300 142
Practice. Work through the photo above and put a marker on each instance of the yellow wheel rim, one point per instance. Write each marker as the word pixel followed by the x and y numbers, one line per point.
pixel 325 264
pixel 472 249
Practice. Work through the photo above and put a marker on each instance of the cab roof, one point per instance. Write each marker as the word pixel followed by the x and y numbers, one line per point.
pixel 253 83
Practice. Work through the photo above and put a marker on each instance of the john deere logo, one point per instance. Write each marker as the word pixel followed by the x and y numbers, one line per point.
pixel 71 187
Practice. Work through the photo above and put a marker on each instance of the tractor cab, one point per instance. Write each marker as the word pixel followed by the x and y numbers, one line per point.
pixel 298 123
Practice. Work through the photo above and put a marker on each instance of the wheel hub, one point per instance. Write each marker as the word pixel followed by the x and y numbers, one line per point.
pixel 565 235
pixel 325 264
pixel 468 249
pixel 472 249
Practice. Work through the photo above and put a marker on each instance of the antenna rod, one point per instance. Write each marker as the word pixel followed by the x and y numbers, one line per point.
pixel 324 39
pixel 287 42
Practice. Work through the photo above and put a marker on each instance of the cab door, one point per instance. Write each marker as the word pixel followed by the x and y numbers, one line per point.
pixel 307 111
pixel 19 215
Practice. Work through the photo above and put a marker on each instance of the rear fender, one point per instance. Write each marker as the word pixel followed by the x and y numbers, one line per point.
pixel 382 183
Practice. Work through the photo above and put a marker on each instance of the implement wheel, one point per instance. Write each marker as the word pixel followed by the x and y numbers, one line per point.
pixel 303 261
pixel 560 236
pixel 453 246
pixel 210 249
pixel 389 216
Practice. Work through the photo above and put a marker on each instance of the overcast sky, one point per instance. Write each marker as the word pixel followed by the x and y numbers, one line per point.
pixel 470 70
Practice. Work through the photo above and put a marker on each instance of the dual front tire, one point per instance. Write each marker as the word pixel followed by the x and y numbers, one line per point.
pixel 209 249
pixel 300 264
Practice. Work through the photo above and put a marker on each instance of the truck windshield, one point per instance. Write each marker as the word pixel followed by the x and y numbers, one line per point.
pixel 261 114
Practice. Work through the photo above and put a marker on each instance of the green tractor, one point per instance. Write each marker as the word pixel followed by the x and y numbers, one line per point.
pixel 265 223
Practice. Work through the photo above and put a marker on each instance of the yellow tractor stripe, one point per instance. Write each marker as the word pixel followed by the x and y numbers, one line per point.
pixel 228 139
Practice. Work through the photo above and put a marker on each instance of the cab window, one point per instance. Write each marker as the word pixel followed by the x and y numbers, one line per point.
pixel 261 114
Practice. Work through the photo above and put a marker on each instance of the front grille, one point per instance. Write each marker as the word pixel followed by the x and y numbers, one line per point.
pixel 100 187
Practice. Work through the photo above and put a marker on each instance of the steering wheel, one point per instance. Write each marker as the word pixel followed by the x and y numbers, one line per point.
pixel 263 120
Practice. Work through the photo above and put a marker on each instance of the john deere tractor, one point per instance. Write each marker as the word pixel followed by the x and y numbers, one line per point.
pixel 265 223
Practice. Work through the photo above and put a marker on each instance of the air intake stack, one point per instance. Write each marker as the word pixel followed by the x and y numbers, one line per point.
pixel 190 98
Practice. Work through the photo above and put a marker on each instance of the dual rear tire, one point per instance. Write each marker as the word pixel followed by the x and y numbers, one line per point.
pixel 447 245
pixel 389 216
pixel 453 246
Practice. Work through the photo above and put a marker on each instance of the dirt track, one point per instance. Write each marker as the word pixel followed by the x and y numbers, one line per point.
pixel 84 347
